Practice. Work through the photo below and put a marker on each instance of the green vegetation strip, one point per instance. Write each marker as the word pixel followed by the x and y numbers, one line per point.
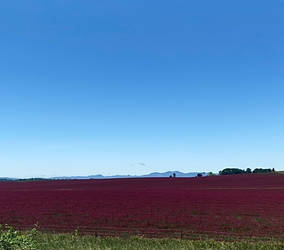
pixel 11 239
pixel 65 241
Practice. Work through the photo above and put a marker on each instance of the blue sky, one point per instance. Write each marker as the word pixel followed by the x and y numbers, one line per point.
pixel 132 87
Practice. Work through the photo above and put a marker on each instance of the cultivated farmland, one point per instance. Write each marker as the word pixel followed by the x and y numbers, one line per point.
pixel 240 206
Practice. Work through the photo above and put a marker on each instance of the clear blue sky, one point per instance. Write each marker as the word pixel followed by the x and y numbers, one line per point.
pixel 132 87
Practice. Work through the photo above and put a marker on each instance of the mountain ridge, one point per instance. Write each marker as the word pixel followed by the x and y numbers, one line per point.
pixel 99 176
pixel 151 175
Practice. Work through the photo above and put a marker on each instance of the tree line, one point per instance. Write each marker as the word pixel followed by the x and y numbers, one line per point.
pixel 229 171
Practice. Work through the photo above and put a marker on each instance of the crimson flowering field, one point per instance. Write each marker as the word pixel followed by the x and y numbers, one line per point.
pixel 243 205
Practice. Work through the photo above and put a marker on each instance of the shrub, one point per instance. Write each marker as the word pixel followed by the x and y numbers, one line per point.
pixel 13 239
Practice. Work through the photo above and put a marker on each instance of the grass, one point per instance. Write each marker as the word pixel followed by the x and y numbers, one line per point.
pixel 11 239
pixel 69 241
pixel 49 241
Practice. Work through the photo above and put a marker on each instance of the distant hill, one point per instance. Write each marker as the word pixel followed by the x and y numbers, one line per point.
pixel 99 176
pixel 152 175
pixel 7 179
pixel 178 174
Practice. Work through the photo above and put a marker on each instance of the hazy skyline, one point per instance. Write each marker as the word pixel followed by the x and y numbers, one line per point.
pixel 125 87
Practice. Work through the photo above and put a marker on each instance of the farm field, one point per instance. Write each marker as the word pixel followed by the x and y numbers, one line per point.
pixel 218 206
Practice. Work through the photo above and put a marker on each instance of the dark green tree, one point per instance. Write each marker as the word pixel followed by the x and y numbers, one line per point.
pixel 248 171
pixel 262 170
pixel 230 171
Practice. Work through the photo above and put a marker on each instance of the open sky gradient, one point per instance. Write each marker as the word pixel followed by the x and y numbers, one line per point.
pixel 132 87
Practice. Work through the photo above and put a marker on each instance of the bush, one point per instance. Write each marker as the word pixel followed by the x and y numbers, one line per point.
pixel 13 239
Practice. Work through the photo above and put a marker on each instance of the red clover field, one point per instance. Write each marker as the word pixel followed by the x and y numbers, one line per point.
pixel 240 205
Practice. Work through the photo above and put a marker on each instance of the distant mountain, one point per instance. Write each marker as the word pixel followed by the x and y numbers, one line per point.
pixel 99 176
pixel 178 174
pixel 7 179
pixel 152 175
